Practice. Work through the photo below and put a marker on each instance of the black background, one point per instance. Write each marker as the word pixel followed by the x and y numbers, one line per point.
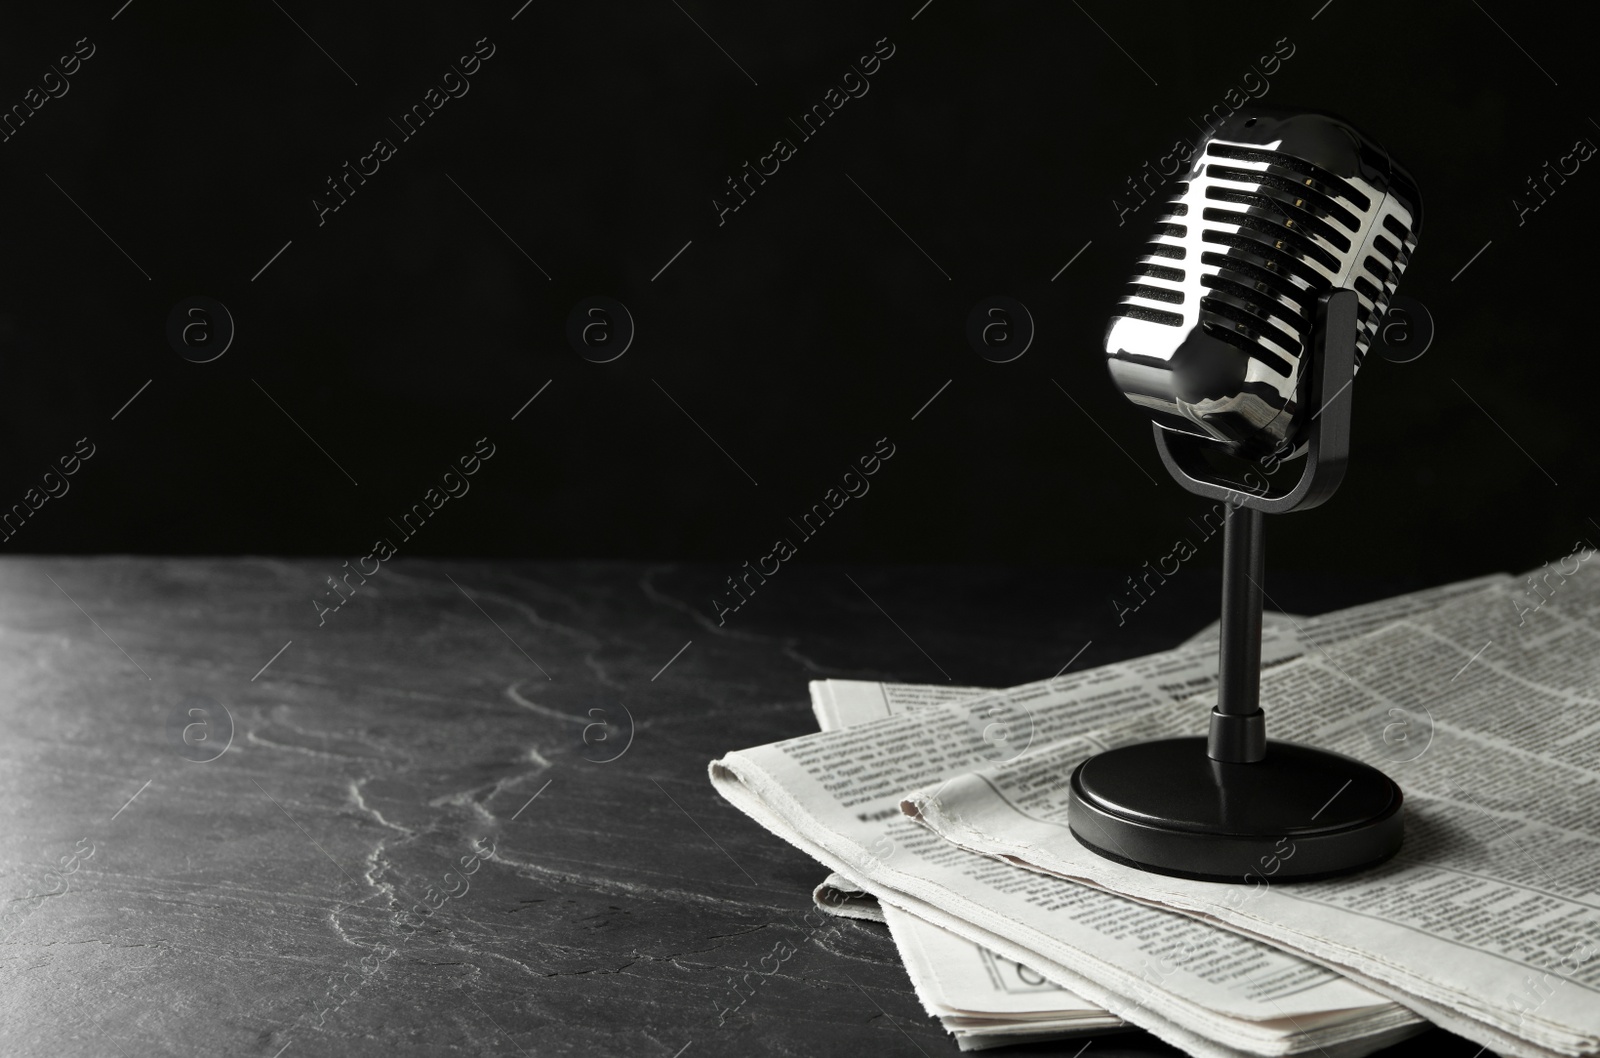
pixel 796 333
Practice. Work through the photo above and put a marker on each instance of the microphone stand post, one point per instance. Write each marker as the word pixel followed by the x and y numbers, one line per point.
pixel 1225 806
pixel 1238 726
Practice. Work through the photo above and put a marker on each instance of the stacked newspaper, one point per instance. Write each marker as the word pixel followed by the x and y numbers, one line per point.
pixel 980 997
pixel 1478 698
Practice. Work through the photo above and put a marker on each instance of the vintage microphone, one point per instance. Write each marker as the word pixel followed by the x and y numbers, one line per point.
pixel 1241 331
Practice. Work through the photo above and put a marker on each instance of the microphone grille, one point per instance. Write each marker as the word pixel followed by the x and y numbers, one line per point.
pixel 1240 254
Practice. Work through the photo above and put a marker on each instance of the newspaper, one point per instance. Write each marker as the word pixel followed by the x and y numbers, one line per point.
pixel 835 795
pixel 1488 921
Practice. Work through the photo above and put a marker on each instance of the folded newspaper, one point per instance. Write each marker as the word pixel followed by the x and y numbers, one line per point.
pixel 1213 992
pixel 1488 920
pixel 981 998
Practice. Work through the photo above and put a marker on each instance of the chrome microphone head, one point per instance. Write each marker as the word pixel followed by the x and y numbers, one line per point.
pixel 1215 332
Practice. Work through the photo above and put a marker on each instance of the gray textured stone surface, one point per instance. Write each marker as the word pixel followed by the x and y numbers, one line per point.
pixel 226 908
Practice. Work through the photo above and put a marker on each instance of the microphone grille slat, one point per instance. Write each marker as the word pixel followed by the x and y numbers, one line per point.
pixel 1166 294
pixel 1155 271
pixel 1149 315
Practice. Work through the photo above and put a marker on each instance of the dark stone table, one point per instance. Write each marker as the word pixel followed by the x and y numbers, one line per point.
pixel 423 823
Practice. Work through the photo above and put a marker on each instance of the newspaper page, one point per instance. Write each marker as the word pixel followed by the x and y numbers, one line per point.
pixel 834 795
pixel 1488 920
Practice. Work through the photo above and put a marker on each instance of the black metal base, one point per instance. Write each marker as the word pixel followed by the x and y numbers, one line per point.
pixel 1299 813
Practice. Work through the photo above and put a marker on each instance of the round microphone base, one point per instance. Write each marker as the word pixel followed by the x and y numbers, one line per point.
pixel 1300 813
